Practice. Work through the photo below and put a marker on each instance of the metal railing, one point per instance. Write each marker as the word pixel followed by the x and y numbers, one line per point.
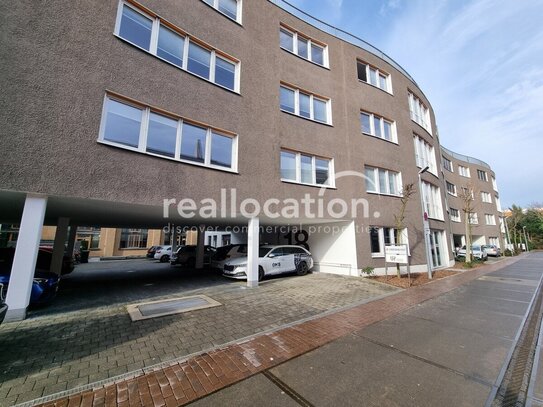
pixel 465 158
pixel 339 33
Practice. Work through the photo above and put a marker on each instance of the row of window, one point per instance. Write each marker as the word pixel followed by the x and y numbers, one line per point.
pixel 425 154
pixel 451 189
pixel 142 129
pixel 171 44
pixel 303 46
pixel 304 104
pixel 464 171
pixel 378 126
pixel 473 217
pixel 306 169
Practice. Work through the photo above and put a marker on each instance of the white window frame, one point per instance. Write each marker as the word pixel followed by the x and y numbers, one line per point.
pixel 425 154
pixel 464 171
pixel 298 180
pixel 312 98
pixel 473 218
pixel 433 204
pixel 377 184
pixel 382 121
pixel 404 239
pixel 388 77
pixel 494 184
pixel 310 42
pixel 498 203
pixel 486 197
pixel 239 10
pixel 215 53
pixel 455 218
pixel 454 193
pixel 490 219
pixel 144 129
pixel 419 112
pixel 494 241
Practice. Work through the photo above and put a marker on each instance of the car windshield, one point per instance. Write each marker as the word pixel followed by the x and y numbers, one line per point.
pixel 263 251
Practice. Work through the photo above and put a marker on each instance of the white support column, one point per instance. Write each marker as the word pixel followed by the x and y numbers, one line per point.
pixel 26 254
pixel 72 235
pixel 253 243
pixel 174 239
pixel 60 245
pixel 200 247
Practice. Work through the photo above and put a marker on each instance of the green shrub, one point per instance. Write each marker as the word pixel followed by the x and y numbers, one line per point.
pixel 367 270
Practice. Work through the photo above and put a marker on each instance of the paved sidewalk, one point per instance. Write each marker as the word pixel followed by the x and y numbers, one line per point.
pixel 341 378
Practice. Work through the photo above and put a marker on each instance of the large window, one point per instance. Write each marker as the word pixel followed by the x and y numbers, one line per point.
pixel 482 175
pixel 306 169
pixel 133 239
pixel 419 113
pixel 473 218
pixel 490 219
pixel 305 104
pixel 425 155
pixel 464 171
pixel 432 200
pixel 447 164
pixel 455 215
pixel 373 76
pixel 377 126
pixel 175 46
pixel 303 46
pixel 494 184
pixel 230 8
pixel 140 128
pixel 486 197
pixel 382 181
pixel 385 236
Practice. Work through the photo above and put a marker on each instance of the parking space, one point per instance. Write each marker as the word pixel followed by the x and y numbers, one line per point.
pixel 87 336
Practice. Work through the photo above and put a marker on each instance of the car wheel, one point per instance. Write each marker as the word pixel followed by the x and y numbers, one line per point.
pixel 302 269
pixel 191 262
pixel 260 273
pixel 164 259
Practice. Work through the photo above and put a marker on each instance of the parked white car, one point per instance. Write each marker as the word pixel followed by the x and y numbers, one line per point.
pixel 163 254
pixel 272 260
pixel 477 251
pixel 226 253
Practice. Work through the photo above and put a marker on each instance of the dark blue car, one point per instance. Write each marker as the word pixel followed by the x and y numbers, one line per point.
pixel 44 287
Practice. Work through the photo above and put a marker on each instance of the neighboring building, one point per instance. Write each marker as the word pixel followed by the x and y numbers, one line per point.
pixel 116 106
pixel 464 176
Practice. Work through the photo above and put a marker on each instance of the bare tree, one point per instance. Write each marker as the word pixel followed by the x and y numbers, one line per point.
pixel 399 219
pixel 468 207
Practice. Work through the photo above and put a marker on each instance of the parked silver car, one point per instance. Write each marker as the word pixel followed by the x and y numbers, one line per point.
pixel 492 250
pixel 477 251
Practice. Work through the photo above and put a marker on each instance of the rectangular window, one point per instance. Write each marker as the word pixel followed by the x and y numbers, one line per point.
pixel 455 215
pixel 373 76
pixel 380 237
pixel 424 154
pixel 382 181
pixel 486 197
pixel 482 175
pixel 377 126
pixel 419 113
pixel 139 128
pixel 451 188
pixel 133 239
pixel 494 241
pixel 303 46
pixel 230 8
pixel 490 219
pixel 304 104
pixel 306 169
pixel 173 45
pixel 432 201
pixel 494 184
pixel 473 218
pixel 447 164
pixel 464 171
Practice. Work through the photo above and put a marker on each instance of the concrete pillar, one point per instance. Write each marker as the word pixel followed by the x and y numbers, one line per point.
pixel 200 247
pixel 60 245
pixel 253 244
pixel 174 239
pixel 26 254
pixel 72 235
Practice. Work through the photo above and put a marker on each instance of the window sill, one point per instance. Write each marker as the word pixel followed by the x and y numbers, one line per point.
pixel 376 87
pixel 288 181
pixel 306 118
pixel 225 15
pixel 381 138
pixel 380 194
pixel 305 59
pixel 424 128
pixel 235 92
pixel 451 194
pixel 135 150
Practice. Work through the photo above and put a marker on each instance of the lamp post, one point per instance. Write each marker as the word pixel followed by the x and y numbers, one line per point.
pixel 425 224
pixel 525 238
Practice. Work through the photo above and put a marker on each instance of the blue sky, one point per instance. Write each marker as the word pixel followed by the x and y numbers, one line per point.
pixel 480 62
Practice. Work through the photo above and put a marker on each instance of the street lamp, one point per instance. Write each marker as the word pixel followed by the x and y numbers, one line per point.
pixel 525 239
pixel 426 225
